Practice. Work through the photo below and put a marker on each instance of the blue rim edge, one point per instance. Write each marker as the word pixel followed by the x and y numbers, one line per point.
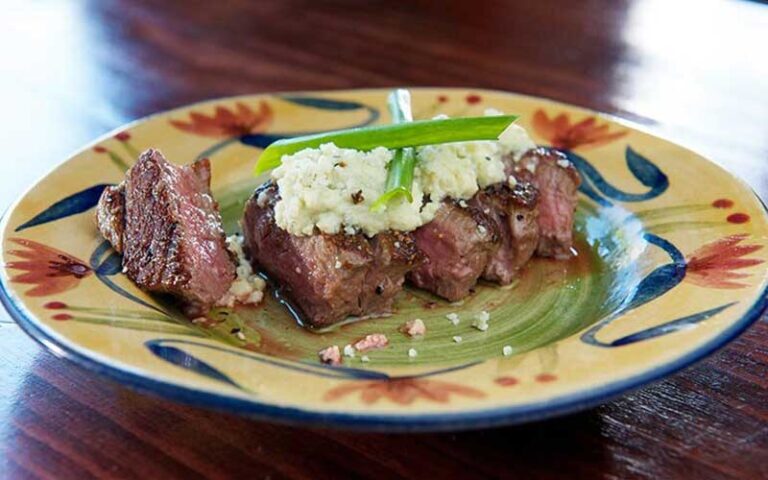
pixel 430 422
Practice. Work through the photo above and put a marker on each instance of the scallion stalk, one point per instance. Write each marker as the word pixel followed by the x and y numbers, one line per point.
pixel 413 134
pixel 401 167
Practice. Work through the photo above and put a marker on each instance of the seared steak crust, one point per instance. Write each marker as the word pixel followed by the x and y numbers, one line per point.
pixel 457 245
pixel 327 277
pixel 110 215
pixel 167 226
pixel 515 212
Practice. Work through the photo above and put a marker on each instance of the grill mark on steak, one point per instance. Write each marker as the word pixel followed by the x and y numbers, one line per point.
pixel 457 245
pixel 515 212
pixel 327 277
pixel 164 221
pixel 558 183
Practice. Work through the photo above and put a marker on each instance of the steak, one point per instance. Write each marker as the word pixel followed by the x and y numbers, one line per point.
pixel 457 244
pixel 558 183
pixel 327 277
pixel 514 209
pixel 110 215
pixel 164 221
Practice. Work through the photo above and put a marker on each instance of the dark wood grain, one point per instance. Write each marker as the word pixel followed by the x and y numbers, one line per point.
pixel 693 71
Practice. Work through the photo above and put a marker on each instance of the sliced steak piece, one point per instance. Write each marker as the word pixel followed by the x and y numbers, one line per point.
pixel 558 183
pixel 457 244
pixel 327 277
pixel 514 209
pixel 167 226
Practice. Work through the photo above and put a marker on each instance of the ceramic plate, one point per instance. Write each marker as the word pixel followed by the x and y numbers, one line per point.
pixel 670 268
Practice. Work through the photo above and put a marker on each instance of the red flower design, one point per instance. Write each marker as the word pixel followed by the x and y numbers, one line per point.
pixel 474 99
pixel 737 218
pixel 561 133
pixel 506 381
pixel 713 264
pixel 403 391
pixel 722 203
pixel 545 377
pixel 225 122
pixel 51 271
pixel 123 136
pixel 55 305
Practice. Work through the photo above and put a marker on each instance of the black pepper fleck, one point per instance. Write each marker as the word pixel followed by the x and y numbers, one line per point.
pixel 357 197
pixel 379 289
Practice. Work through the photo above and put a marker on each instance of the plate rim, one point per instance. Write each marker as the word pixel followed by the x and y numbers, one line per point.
pixel 396 422
pixel 387 422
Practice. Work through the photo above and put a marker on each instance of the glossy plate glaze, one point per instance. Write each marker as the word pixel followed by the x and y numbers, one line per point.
pixel 670 267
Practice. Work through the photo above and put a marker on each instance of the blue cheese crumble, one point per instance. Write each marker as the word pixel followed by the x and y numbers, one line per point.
pixel 332 188
pixel 247 288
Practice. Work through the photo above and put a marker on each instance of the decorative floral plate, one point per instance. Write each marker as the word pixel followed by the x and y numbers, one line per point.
pixel 671 266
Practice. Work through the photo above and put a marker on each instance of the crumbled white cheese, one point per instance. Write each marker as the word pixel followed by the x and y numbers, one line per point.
pixel 332 188
pixel 349 351
pixel 563 163
pixel 337 264
pixel 453 317
pixel 481 325
pixel 415 328
pixel 512 181
pixel 365 358
pixel 507 350
pixel 261 200
pixel 372 342
pixel 481 230
pixel 481 321
pixel 457 339
pixel 247 288
pixel 330 355
pixel 515 141
pixel 316 192
pixel 240 336
pixel 458 170
pixel 463 203
pixel 412 353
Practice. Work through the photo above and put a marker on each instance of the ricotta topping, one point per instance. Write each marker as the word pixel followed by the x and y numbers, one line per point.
pixel 332 188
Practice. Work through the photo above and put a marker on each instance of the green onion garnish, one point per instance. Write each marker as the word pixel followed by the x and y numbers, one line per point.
pixel 412 134
pixel 400 169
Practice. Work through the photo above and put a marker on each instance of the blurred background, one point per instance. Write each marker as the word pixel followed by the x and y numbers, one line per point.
pixel 74 69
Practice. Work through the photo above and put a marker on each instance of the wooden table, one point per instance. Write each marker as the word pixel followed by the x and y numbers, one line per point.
pixel 694 71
